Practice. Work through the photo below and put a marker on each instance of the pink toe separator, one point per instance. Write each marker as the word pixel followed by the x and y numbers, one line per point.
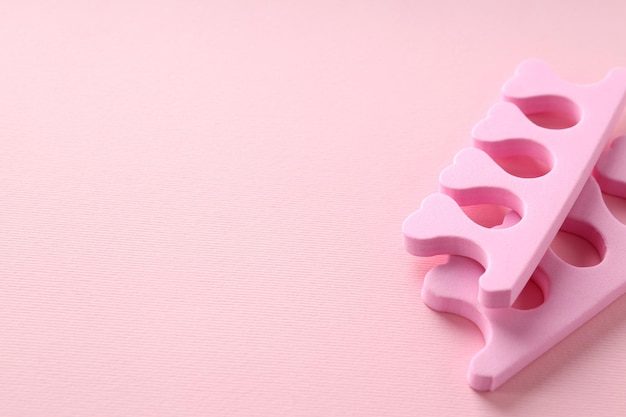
pixel 510 255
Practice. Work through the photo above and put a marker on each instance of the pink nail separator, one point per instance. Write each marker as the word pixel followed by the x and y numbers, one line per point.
pixel 510 255
pixel 572 295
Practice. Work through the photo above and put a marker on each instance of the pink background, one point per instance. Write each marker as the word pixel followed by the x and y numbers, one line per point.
pixel 201 205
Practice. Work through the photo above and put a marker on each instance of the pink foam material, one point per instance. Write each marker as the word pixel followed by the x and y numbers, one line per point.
pixel 611 168
pixel 510 255
pixel 572 295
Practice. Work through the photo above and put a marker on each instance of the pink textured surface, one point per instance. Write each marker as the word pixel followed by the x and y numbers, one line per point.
pixel 201 206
